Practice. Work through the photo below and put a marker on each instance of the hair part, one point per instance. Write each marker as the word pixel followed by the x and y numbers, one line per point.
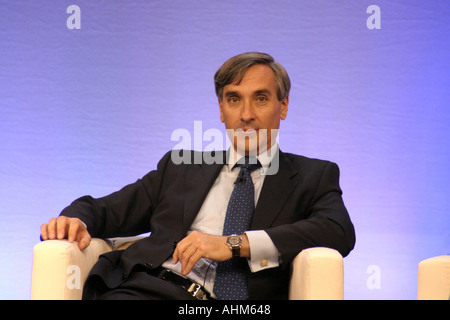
pixel 233 70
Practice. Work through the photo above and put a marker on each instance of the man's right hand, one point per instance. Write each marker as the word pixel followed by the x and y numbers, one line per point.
pixel 72 229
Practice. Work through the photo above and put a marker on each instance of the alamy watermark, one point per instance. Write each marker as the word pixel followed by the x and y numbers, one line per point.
pixel 74 20
pixel 74 279
pixel 373 282
pixel 374 20
pixel 250 143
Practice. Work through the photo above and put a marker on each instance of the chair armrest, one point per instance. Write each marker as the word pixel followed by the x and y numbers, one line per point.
pixel 434 278
pixel 317 274
pixel 60 268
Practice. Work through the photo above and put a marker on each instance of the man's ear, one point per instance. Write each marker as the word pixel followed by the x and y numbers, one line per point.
pixel 284 108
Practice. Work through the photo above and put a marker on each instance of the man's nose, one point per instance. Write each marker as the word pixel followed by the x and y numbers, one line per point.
pixel 247 113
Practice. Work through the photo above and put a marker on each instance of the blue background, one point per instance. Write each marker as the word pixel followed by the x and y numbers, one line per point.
pixel 87 111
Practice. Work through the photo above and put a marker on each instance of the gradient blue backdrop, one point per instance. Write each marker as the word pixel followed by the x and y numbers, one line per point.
pixel 87 111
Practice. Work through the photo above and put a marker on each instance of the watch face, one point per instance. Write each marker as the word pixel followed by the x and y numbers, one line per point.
pixel 234 240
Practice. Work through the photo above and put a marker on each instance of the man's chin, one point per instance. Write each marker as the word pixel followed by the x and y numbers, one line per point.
pixel 249 142
pixel 249 150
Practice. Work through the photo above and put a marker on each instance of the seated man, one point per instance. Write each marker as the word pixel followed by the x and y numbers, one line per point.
pixel 222 229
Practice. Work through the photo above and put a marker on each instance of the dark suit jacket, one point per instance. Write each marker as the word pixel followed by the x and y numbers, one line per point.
pixel 299 207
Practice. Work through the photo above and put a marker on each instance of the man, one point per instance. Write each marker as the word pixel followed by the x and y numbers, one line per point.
pixel 186 207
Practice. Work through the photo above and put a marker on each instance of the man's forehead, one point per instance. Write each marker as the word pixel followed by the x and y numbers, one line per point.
pixel 258 78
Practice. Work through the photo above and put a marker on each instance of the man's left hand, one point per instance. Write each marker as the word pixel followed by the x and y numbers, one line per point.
pixel 201 245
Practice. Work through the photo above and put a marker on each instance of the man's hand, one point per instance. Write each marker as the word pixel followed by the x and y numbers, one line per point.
pixel 62 227
pixel 201 245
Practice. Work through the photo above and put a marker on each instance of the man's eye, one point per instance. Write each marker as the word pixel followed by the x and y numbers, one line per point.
pixel 261 99
pixel 233 100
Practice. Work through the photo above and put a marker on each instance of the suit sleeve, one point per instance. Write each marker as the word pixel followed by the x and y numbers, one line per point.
pixel 323 222
pixel 123 213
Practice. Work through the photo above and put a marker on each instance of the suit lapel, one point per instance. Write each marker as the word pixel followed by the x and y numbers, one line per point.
pixel 275 192
pixel 199 180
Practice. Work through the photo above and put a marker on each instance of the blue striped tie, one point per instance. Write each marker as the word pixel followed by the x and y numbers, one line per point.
pixel 231 277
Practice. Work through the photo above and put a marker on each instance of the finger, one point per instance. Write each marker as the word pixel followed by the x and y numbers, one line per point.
pixel 74 228
pixel 51 228
pixel 186 258
pixel 84 240
pixel 44 233
pixel 62 227
pixel 189 265
pixel 179 251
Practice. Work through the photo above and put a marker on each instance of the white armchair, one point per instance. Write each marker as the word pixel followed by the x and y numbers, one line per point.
pixel 60 270
pixel 434 278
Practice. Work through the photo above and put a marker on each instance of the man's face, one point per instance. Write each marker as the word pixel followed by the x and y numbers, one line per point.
pixel 251 111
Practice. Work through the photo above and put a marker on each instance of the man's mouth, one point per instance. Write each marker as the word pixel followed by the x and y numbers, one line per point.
pixel 247 130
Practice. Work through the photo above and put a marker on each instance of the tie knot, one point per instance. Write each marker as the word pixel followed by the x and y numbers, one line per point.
pixel 248 163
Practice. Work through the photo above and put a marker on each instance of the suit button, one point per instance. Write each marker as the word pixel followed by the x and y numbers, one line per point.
pixel 124 275
pixel 148 265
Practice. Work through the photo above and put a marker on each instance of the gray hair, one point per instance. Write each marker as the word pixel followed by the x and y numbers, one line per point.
pixel 233 70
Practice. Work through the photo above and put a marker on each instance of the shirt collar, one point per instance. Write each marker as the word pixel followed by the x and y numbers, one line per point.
pixel 265 158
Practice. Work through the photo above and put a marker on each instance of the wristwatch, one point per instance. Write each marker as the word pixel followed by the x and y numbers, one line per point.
pixel 234 242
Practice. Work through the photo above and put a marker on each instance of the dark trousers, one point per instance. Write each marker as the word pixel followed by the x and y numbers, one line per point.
pixel 140 285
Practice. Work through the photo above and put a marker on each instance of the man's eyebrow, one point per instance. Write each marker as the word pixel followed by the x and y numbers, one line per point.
pixel 262 91
pixel 236 93
pixel 231 93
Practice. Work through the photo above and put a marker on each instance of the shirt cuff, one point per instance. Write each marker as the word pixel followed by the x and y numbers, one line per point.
pixel 263 253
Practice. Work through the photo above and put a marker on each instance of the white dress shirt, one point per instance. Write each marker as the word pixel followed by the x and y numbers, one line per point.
pixel 211 218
